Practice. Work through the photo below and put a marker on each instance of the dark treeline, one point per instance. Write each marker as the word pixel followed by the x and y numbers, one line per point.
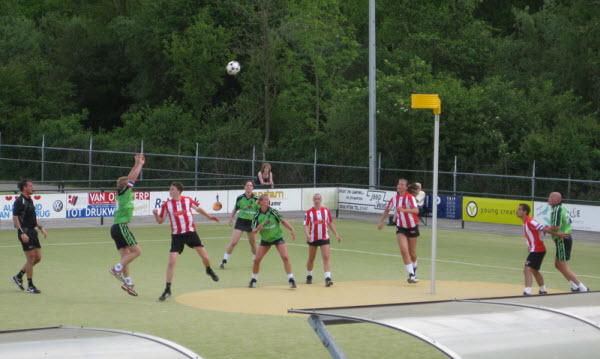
pixel 519 80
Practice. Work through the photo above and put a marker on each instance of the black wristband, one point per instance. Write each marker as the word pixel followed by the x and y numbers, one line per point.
pixel 21 229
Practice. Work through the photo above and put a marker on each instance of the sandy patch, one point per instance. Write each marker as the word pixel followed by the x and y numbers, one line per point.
pixel 276 300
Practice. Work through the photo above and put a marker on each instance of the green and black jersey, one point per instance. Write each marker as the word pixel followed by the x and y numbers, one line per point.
pixel 271 221
pixel 246 207
pixel 124 210
pixel 560 217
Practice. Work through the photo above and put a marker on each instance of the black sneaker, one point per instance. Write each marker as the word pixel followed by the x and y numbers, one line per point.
pixel 328 282
pixel 292 283
pixel 575 290
pixel 526 294
pixel 415 270
pixel 543 292
pixel 33 289
pixel 309 279
pixel 222 265
pixel 412 279
pixel 18 281
pixel 212 274
pixel 252 283
pixel 166 294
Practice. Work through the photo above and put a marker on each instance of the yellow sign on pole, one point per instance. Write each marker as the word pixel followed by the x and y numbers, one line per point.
pixel 427 101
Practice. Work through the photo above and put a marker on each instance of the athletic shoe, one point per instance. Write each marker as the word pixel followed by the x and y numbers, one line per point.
pixel 212 274
pixel 129 289
pixel 222 266
pixel 309 279
pixel 578 290
pixel 117 274
pixel 292 283
pixel 328 282
pixel 18 281
pixel 252 283
pixel 526 294
pixel 412 279
pixel 33 289
pixel 543 292
pixel 166 294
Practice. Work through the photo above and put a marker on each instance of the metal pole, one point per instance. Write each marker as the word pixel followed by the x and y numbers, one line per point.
pixel 0 153
pixel 196 168
pixel 43 147
pixel 379 172
pixel 315 170
pixel 90 162
pixel 372 97
pixel 455 170
pixel 253 160
pixel 436 149
pixel 142 170
pixel 533 182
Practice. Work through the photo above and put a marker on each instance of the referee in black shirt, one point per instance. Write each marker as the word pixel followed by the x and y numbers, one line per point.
pixel 26 221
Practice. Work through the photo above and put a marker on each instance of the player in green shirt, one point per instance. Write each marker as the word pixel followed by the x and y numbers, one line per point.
pixel 246 207
pixel 561 233
pixel 124 240
pixel 268 222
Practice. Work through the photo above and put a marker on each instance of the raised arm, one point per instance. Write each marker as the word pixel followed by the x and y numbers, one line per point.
pixel 137 168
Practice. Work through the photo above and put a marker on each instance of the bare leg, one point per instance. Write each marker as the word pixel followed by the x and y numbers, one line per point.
pixel 171 267
pixel 287 265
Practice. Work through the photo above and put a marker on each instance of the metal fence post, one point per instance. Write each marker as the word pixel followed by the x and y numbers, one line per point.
pixel 315 170
pixel 142 170
pixel 533 182
pixel 379 171
pixel 253 160
pixel 43 146
pixel 0 153
pixel 196 168
pixel 90 162
pixel 454 175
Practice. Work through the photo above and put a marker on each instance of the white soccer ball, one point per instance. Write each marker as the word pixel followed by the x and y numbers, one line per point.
pixel 233 67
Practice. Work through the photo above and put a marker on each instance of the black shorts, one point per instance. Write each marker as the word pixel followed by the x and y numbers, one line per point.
pixel 408 232
pixel 274 243
pixel 244 225
pixel 122 236
pixel 534 260
pixel 191 239
pixel 320 242
pixel 563 248
pixel 34 241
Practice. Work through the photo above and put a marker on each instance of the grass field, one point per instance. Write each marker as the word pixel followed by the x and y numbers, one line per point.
pixel 78 291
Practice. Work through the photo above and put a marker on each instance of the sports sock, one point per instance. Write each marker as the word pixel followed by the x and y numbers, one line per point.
pixel 528 290
pixel 414 264
pixel 118 267
pixel 409 268
pixel 308 272
pixel 128 280
pixel 582 287
pixel 168 286
pixel 542 288
pixel 20 274
pixel 290 276
pixel 327 274
pixel 226 257
pixel 255 276
pixel 253 256
pixel 573 285
pixel 30 282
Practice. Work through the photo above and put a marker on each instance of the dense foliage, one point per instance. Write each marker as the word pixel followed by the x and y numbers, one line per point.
pixel 519 80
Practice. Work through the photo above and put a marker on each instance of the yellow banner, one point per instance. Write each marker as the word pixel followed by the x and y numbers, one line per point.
pixel 491 210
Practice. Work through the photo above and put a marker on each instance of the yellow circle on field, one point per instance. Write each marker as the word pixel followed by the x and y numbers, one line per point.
pixel 276 300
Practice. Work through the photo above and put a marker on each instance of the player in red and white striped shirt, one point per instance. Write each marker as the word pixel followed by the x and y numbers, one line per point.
pixel 407 226
pixel 533 231
pixel 317 220
pixel 183 231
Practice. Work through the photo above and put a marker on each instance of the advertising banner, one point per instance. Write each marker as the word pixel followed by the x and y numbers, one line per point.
pixel 364 200
pixel 449 207
pixel 491 210
pixel 583 218
pixel 103 204
pixel 329 196
pixel 46 205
